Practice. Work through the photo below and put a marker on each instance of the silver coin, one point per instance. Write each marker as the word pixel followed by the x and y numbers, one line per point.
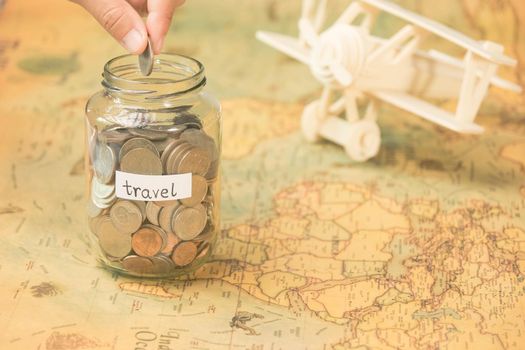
pixel 203 250
pixel 141 161
pixel 137 142
pixel 93 224
pixel 137 264
pixel 205 235
pixel 142 207
pixel 152 212
pixel 199 188
pixel 126 216
pixel 107 200
pixel 162 264
pixel 104 163
pixel 153 135
pixel 213 171
pixel 115 127
pixel 169 153
pixel 93 210
pixel 114 136
pixel 163 144
pixel 111 240
pixel 104 203
pixel 166 216
pixel 146 60
pixel 196 161
pixel 169 148
pixel 200 139
pixel 92 142
pixel 189 222
pixel 172 130
pixel 190 120
pixel 101 190
pixel 175 157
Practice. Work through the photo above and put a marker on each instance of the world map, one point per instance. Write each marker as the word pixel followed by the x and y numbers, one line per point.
pixel 422 247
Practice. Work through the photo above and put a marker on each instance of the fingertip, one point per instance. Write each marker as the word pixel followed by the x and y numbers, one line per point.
pixel 158 27
pixel 134 41
pixel 158 46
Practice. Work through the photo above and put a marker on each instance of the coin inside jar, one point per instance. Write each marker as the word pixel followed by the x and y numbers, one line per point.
pixel 189 120
pixel 93 210
pixel 161 264
pixel 205 235
pixel 152 212
pixel 176 154
pixel 171 242
pixel 103 203
pixel 148 241
pixel 137 264
pixel 137 142
pixel 199 188
pixel 195 161
pixel 188 222
pixel 101 190
pixel 142 207
pixel 141 161
pixel 126 216
pixel 166 216
pixel 93 224
pixel 184 253
pixel 169 203
pixel 113 242
pixel 153 135
pixel 168 151
pixel 200 139
pixel 161 145
pixel 104 162
pixel 114 136
pixel 203 250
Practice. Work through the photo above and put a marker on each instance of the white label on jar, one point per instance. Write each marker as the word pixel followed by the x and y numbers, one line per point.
pixel 152 187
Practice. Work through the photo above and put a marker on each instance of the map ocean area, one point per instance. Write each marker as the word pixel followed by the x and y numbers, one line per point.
pixel 146 339
pixel 152 187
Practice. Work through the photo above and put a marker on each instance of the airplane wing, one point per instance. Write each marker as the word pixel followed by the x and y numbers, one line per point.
pixel 441 30
pixel 454 62
pixel 427 111
pixel 286 44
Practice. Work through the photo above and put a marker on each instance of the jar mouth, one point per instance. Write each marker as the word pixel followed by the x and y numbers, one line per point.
pixel 172 75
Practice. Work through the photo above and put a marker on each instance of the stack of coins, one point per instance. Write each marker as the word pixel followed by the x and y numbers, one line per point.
pixel 156 237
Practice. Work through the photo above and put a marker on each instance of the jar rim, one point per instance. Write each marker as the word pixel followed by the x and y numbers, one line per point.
pixel 173 74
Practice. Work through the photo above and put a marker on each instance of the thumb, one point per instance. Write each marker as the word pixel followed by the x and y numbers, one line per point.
pixel 120 20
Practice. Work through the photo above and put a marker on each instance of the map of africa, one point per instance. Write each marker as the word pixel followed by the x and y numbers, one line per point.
pixel 423 247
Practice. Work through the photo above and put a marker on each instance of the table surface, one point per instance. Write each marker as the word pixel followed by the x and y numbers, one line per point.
pixel 422 247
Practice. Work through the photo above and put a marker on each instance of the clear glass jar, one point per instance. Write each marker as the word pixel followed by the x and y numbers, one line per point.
pixel 152 164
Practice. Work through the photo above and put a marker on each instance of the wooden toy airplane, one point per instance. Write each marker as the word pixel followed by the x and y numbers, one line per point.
pixel 352 64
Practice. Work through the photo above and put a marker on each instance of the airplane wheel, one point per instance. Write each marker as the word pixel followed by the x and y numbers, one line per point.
pixel 364 140
pixel 311 122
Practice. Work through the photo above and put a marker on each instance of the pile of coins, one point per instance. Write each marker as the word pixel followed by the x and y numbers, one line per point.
pixel 153 237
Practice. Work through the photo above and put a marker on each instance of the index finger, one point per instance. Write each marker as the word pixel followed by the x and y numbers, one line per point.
pixel 158 22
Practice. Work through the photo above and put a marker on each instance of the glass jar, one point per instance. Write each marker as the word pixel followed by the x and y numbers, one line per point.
pixel 152 164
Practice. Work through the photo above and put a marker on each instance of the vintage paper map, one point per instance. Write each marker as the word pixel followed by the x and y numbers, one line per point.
pixel 421 248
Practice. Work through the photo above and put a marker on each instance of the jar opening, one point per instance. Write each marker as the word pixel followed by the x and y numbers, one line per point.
pixel 172 75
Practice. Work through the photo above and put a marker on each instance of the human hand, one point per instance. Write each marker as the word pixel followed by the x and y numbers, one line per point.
pixel 122 19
